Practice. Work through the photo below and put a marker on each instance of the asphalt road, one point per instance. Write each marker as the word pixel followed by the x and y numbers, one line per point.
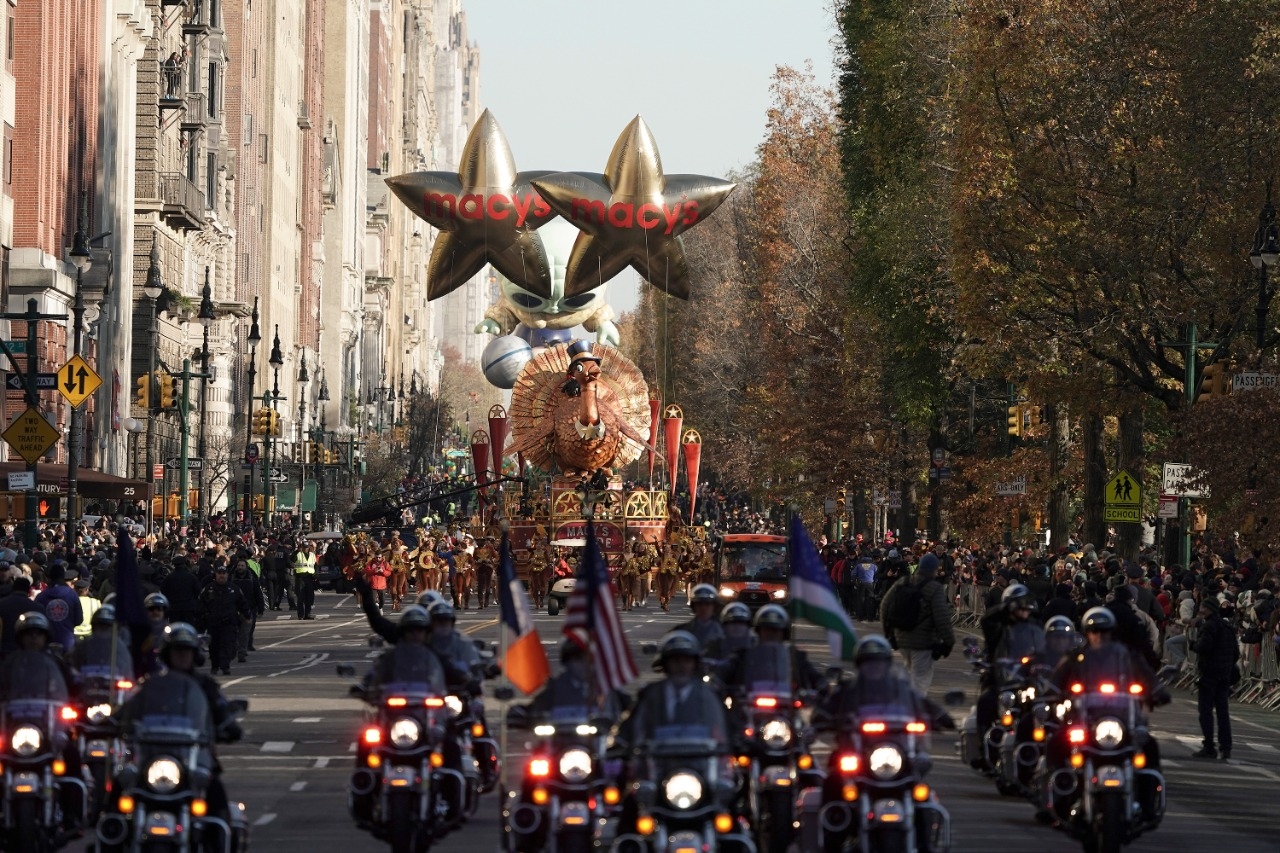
pixel 291 769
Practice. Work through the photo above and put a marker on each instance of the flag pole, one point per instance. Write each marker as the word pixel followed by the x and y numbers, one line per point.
pixel 504 524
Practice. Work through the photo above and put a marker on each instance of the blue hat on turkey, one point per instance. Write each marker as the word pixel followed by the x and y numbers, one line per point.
pixel 581 351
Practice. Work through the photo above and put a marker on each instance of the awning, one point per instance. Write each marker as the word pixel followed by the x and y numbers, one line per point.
pixel 51 479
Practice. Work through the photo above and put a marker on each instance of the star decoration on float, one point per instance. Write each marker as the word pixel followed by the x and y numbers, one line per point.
pixel 487 213
pixel 632 215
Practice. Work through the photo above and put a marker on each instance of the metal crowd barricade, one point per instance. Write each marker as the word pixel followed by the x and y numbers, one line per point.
pixel 967 603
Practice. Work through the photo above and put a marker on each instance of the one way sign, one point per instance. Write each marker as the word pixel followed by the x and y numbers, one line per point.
pixel 44 381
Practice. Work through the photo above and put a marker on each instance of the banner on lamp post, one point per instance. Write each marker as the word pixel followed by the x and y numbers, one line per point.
pixel 480 456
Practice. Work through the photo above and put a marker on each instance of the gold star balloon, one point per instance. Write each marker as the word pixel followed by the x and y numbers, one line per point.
pixel 487 213
pixel 632 215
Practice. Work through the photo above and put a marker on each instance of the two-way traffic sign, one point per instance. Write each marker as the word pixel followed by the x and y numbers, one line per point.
pixel 77 381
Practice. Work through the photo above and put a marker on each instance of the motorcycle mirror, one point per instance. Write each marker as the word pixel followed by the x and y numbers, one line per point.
pixel 834 673
pixel 648 648
pixel 480 645
pixel 971 643
pixel 355 691
pixel 238 706
pixel 953 698
pixel 376 642
pixel 503 693
pixel 346 670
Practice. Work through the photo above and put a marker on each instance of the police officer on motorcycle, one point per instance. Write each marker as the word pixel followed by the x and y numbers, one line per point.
pixel 703 625
pixel 180 653
pixel 572 688
pixel 97 650
pixel 735 622
pixel 771 626
pixel 1105 659
pixel 1011 633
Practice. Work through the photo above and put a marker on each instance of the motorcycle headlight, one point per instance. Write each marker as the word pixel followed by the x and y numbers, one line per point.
pixel 885 762
pixel 163 775
pixel 779 594
pixel 1108 732
pixel 26 740
pixel 98 713
pixel 575 765
pixel 776 733
pixel 726 592
pixel 682 790
pixel 454 704
pixel 1027 695
pixel 404 732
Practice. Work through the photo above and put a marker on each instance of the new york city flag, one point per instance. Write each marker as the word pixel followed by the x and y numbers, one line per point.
pixel 525 662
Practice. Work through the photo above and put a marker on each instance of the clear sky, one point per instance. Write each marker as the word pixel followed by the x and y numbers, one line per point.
pixel 563 78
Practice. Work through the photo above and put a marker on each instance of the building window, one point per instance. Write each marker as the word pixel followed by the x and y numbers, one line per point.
pixel 214 90
pixel 8 155
pixel 210 180
pixel 9 38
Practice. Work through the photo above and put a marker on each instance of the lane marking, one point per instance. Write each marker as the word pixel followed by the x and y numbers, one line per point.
pixel 278 746
pixel 307 662
pixel 265 819
pixel 351 747
pixel 307 720
pixel 322 762
pixel 1261 747
pixel 297 786
pixel 471 629
pixel 309 633
pixel 238 680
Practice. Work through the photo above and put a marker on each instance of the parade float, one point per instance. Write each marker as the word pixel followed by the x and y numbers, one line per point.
pixel 580 411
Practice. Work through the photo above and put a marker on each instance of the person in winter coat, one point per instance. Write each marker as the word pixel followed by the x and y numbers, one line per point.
pixel 224 607
pixel 1217 655
pixel 61 606
pixel 251 588
pixel 376 571
pixel 932 637
pixel 182 588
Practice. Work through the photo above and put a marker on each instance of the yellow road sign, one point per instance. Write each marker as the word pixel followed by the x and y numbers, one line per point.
pixel 77 381
pixel 1122 490
pixel 1131 514
pixel 30 435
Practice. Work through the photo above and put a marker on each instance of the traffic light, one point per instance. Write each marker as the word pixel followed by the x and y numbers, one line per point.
pixel 1014 421
pixel 1213 381
pixel 274 421
pixel 297 452
pixel 168 391
pixel 262 421
pixel 144 392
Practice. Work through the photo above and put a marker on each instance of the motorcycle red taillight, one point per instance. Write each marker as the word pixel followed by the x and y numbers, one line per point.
pixel 874 728
pixel 373 735
pixel 766 702
pixel 848 763
pixel 539 768
pixel 1076 735
pixel 69 714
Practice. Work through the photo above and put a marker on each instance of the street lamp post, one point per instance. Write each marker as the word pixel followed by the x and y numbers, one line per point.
pixel 82 257
pixel 152 288
pixel 276 361
pixel 254 338
pixel 1264 256
pixel 321 398
pixel 303 379
pixel 206 318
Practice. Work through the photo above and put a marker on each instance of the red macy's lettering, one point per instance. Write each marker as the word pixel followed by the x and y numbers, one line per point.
pixel 475 206
pixel 622 214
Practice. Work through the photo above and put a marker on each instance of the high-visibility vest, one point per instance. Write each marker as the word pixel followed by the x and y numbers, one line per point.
pixel 304 563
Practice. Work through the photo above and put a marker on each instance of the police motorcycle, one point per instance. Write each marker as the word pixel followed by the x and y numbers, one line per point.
pixel 43 804
pixel 1102 791
pixel 102 692
pixel 874 796
pixel 563 793
pixel 773 747
pixel 160 798
pixel 1026 716
pixel 685 788
pixel 406 789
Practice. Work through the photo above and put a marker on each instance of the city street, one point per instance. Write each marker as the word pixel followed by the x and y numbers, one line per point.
pixel 292 766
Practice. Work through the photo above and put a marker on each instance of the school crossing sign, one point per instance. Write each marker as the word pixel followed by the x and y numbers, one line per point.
pixel 1122 501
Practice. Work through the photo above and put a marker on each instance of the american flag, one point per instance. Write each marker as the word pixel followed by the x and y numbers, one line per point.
pixel 591 620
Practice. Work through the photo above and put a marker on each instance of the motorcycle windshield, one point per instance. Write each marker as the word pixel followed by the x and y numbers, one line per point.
pixel 768 670
pixel 884 688
pixel 170 706
pixel 567 715
pixel 32 676
pixel 413 669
